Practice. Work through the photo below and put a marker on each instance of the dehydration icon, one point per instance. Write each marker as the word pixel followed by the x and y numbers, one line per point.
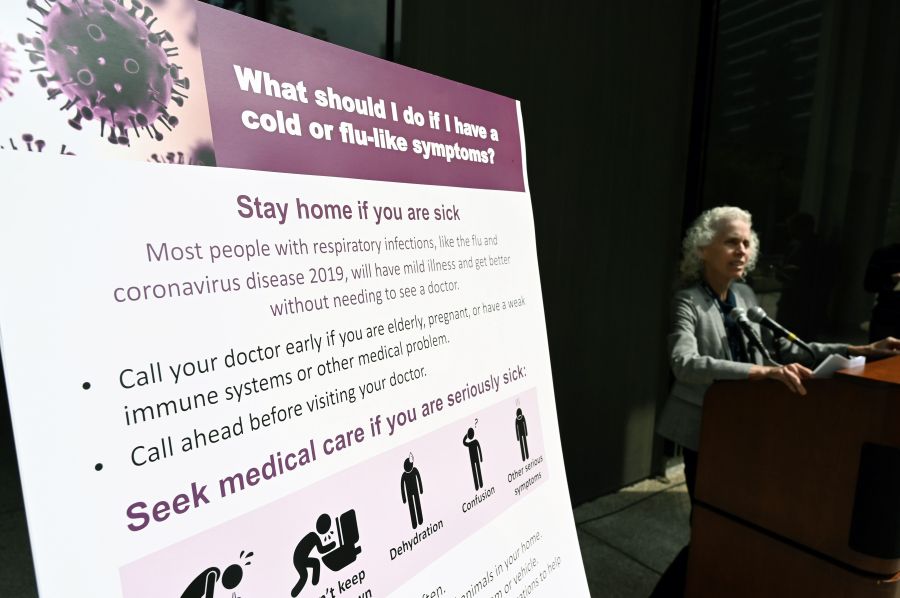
pixel 410 490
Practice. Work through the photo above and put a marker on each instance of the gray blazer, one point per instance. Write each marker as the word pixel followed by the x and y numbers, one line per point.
pixel 699 355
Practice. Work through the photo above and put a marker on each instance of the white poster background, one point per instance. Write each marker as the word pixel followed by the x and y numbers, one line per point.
pixel 73 230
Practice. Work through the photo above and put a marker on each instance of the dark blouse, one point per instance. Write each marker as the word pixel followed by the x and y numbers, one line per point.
pixel 732 330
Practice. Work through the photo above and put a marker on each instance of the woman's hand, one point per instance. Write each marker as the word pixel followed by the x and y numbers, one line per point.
pixel 791 375
pixel 886 347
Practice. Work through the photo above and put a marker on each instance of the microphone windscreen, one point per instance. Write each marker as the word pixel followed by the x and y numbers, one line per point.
pixel 756 314
pixel 737 314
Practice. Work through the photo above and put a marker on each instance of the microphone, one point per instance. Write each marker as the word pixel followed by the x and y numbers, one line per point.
pixel 758 315
pixel 739 316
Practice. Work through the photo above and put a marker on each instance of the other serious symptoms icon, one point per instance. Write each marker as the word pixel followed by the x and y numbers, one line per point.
pixel 108 64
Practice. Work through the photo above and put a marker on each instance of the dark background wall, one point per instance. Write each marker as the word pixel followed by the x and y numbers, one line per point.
pixel 606 91
pixel 805 127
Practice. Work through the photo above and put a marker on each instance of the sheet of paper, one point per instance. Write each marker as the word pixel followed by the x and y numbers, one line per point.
pixel 835 362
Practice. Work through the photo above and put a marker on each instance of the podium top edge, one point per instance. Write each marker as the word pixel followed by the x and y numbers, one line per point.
pixel 883 370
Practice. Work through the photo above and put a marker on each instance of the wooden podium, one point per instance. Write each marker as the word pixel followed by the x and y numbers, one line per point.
pixel 799 496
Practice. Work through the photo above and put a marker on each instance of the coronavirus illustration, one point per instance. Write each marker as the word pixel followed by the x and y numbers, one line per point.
pixel 200 155
pixel 29 144
pixel 171 158
pixel 9 72
pixel 204 154
pixel 109 64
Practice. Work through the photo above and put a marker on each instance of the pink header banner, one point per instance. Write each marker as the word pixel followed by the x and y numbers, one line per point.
pixel 288 103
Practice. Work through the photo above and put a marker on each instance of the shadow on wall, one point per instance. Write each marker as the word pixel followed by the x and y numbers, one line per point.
pixel 607 124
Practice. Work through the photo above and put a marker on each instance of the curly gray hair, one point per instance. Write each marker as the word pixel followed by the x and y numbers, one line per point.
pixel 701 234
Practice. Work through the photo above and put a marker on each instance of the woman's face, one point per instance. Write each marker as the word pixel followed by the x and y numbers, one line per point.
pixel 726 257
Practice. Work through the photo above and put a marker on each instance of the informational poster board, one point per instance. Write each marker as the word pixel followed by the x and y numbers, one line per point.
pixel 319 368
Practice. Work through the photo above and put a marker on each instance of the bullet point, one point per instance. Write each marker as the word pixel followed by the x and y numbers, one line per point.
pixel 98 466
pixel 86 386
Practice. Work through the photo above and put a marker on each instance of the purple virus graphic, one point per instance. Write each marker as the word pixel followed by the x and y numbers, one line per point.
pixel 171 158
pixel 204 154
pixel 108 63
pixel 201 155
pixel 9 74
pixel 30 144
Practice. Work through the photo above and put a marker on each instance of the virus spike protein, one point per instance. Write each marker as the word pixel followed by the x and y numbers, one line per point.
pixel 9 73
pixel 30 144
pixel 201 154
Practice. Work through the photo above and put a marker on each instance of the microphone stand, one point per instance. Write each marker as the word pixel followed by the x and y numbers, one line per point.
pixel 793 338
pixel 758 315
pixel 757 345
pixel 739 316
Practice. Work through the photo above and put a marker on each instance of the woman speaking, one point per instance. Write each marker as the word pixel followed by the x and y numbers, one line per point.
pixel 706 345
